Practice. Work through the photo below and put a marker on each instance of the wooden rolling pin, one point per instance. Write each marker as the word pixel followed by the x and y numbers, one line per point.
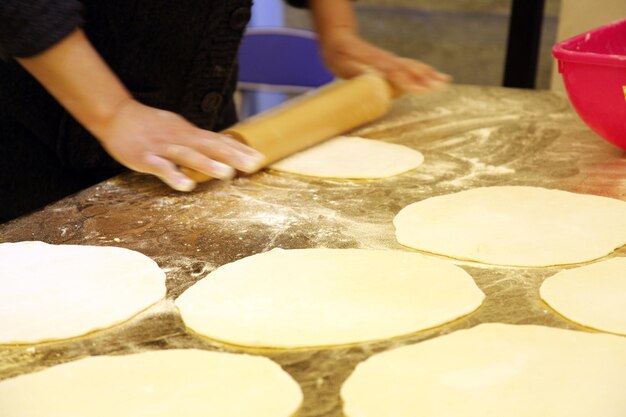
pixel 312 118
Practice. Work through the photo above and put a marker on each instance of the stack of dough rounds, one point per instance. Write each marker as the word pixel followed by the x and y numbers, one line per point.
pixel 168 383
pixel 592 295
pixel 61 291
pixel 326 297
pixel 494 370
pixel 351 157
pixel 517 226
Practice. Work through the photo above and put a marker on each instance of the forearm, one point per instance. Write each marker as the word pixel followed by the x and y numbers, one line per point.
pixel 333 16
pixel 77 76
pixel 142 138
pixel 347 55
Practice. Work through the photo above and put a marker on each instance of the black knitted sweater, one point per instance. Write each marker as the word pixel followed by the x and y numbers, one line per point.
pixel 178 55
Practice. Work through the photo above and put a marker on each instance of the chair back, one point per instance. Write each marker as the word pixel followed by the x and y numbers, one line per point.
pixel 281 60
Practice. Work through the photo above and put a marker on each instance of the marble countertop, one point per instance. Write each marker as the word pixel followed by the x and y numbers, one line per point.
pixel 470 137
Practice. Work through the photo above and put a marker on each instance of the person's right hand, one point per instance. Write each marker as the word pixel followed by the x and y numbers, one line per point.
pixel 142 138
pixel 158 142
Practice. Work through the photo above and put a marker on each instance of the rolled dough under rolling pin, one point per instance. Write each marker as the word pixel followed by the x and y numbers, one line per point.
pixel 351 157
pixel 312 118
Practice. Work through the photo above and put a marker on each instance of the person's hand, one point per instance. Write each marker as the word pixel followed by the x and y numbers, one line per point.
pixel 347 55
pixel 158 142
pixel 142 138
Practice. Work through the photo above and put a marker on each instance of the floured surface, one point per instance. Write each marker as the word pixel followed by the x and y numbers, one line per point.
pixel 61 291
pixel 519 226
pixel 470 136
pixel 168 383
pixel 326 297
pixel 494 370
pixel 592 295
pixel 352 157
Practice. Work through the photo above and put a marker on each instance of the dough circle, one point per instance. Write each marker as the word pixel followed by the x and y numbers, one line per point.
pixel 351 157
pixel 515 225
pixel 166 383
pixel 494 370
pixel 60 291
pixel 326 297
pixel 592 295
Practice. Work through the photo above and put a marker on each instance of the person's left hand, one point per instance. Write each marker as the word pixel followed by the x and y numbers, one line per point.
pixel 347 55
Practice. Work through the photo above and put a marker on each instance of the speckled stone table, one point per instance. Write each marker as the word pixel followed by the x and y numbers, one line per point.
pixel 470 137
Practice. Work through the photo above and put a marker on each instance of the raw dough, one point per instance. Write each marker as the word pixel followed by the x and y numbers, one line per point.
pixel 494 370
pixel 592 295
pixel 352 157
pixel 326 297
pixel 167 383
pixel 519 226
pixel 61 291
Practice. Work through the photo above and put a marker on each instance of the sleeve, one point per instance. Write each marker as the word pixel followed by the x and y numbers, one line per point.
pixel 28 27
pixel 301 4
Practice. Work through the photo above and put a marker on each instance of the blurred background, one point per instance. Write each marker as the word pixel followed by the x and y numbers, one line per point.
pixel 468 39
pixel 465 38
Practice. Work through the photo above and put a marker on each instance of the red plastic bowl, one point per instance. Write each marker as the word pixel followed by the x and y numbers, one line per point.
pixel 593 66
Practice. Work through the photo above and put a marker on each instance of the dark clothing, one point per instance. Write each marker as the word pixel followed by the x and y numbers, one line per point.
pixel 176 55
pixel 31 174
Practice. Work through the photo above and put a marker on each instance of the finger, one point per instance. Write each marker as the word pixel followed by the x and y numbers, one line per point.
pixel 356 61
pixel 427 79
pixel 446 78
pixel 419 71
pixel 387 63
pixel 190 158
pixel 406 82
pixel 168 173
pixel 409 75
pixel 380 59
pixel 416 78
pixel 430 75
pixel 228 150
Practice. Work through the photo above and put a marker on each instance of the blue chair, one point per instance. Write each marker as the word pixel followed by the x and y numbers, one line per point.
pixel 277 61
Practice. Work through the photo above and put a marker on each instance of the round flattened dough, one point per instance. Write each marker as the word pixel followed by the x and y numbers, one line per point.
pixel 326 297
pixel 61 291
pixel 519 226
pixel 351 157
pixel 494 370
pixel 592 295
pixel 167 383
